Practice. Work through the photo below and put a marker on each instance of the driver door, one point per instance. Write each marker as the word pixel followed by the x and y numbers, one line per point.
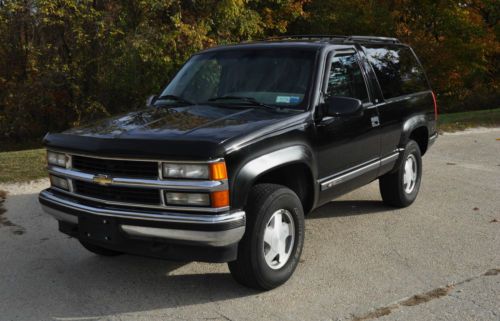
pixel 348 147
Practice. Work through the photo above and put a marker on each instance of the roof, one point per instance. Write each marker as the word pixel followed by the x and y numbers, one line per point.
pixel 307 41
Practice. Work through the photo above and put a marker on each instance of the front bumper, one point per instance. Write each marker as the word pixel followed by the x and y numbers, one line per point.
pixel 220 230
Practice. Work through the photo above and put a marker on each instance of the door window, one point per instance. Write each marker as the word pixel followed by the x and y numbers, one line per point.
pixel 345 78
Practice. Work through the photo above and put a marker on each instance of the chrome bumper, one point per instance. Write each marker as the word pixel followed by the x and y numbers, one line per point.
pixel 207 229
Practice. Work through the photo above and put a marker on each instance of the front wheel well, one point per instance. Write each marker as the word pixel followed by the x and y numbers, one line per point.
pixel 297 177
pixel 421 136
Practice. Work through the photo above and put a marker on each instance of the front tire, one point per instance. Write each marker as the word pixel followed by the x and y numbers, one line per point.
pixel 400 188
pixel 271 247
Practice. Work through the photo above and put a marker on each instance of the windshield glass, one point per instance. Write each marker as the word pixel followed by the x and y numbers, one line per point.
pixel 275 77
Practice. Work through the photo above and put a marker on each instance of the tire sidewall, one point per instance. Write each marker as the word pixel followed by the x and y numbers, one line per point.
pixel 411 148
pixel 283 198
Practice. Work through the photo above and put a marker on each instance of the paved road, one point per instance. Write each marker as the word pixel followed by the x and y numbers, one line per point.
pixel 437 260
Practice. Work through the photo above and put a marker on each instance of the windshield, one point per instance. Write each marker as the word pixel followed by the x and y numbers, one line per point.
pixel 274 77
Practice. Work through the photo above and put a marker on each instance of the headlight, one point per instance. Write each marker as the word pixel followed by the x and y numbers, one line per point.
pixel 193 171
pixel 196 199
pixel 57 159
pixel 214 171
pixel 59 182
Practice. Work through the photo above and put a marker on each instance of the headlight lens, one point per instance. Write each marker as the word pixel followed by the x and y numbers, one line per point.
pixel 193 171
pixel 196 199
pixel 57 159
pixel 59 182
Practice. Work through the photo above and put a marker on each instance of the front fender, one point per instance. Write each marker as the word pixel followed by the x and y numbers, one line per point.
pixel 251 170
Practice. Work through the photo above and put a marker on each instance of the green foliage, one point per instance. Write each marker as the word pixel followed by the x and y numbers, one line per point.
pixel 64 62
pixel 457 42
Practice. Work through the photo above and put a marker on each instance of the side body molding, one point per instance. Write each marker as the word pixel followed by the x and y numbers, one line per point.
pixel 248 173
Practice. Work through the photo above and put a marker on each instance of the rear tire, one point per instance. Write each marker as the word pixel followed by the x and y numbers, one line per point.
pixel 271 247
pixel 400 188
pixel 99 250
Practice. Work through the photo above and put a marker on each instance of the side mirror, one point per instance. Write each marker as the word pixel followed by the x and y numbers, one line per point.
pixel 336 106
pixel 151 100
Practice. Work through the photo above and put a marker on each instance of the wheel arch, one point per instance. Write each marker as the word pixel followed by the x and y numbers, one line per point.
pixel 290 167
pixel 416 128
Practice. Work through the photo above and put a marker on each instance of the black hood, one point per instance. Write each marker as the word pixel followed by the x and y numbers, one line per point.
pixel 196 131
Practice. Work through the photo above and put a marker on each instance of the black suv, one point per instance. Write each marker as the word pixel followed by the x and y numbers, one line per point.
pixel 242 143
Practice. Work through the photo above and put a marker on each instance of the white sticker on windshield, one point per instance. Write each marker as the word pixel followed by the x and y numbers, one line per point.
pixel 283 99
pixel 288 99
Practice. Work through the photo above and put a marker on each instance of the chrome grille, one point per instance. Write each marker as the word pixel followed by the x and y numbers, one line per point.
pixel 130 182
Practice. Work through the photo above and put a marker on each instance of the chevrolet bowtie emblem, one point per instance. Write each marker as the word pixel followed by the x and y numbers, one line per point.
pixel 102 179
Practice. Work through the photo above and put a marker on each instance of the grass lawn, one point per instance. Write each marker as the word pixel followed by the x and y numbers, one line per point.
pixel 460 121
pixel 24 165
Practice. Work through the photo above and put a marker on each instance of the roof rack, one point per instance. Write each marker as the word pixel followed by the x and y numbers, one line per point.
pixel 338 37
pixel 313 36
pixel 372 39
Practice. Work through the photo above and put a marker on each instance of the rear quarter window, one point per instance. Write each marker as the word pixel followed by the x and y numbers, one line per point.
pixel 398 70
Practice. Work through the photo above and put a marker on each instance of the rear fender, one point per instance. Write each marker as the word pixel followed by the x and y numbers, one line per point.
pixel 410 125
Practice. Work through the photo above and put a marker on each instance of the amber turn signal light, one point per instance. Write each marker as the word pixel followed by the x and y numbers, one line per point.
pixel 218 171
pixel 219 198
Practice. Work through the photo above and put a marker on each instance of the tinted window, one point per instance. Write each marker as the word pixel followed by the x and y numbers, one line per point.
pixel 397 69
pixel 345 78
pixel 271 76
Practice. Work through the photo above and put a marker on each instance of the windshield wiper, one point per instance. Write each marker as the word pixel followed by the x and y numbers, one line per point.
pixel 251 100
pixel 176 98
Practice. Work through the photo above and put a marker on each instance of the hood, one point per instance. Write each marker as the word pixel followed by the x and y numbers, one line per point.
pixel 200 121
pixel 200 126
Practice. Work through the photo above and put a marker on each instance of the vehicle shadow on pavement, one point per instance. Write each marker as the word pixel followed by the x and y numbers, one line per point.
pixel 349 208
pixel 90 285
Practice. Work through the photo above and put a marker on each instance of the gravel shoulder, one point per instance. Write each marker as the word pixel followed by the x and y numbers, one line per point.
pixel 436 260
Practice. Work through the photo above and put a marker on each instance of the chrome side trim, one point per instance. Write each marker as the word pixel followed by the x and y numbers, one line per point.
pixel 216 238
pixel 139 215
pixel 180 185
pixel 433 137
pixel 356 172
pixel 350 175
pixel 389 159
pixel 146 206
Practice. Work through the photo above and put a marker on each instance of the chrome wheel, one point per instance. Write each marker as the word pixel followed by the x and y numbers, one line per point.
pixel 279 239
pixel 410 174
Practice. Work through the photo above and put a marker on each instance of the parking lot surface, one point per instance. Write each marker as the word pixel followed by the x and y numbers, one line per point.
pixel 436 260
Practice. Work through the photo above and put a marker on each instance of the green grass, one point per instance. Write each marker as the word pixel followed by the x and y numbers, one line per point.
pixel 24 165
pixel 460 121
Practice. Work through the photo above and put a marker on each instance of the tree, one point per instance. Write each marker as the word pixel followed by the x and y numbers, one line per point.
pixel 64 62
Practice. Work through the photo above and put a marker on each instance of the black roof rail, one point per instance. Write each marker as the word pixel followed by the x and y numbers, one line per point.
pixel 336 37
pixel 313 36
pixel 372 39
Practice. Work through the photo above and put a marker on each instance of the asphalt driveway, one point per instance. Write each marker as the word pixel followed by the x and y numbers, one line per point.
pixel 436 260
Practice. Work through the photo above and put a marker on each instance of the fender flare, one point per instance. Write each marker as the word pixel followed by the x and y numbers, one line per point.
pixel 410 125
pixel 256 167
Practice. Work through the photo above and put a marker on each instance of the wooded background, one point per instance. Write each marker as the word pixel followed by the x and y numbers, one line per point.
pixel 63 62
